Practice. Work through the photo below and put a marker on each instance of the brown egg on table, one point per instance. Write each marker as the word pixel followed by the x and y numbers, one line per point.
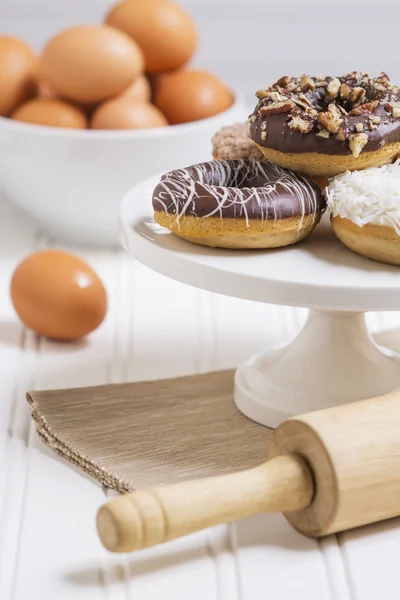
pixel 164 31
pixel 17 81
pixel 127 113
pixel 190 95
pixel 58 295
pixel 139 90
pixel 53 113
pixel 91 63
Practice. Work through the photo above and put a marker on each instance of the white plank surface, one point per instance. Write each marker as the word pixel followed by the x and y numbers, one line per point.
pixel 48 544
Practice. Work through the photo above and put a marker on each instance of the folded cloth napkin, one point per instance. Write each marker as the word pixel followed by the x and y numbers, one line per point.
pixel 143 434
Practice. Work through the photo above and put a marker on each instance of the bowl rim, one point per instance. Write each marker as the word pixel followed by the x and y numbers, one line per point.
pixel 100 134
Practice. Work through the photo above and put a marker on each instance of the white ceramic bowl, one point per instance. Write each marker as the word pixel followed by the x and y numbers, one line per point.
pixel 72 181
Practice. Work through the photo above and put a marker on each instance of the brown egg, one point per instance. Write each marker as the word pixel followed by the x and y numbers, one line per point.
pixel 139 90
pixel 191 95
pixel 17 81
pixel 164 32
pixel 58 295
pixel 45 90
pixel 127 113
pixel 54 113
pixel 91 63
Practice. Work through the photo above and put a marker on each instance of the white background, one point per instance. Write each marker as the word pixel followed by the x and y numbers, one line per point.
pixel 251 42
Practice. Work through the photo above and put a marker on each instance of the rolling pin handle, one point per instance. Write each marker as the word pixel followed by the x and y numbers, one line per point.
pixel 149 517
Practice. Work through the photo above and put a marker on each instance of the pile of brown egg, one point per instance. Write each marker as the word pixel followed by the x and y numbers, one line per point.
pixel 129 73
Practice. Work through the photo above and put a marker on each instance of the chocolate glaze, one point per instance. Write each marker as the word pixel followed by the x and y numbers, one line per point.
pixel 279 136
pixel 237 189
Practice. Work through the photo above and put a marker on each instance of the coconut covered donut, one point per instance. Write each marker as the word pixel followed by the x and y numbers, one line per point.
pixel 238 204
pixel 323 126
pixel 365 211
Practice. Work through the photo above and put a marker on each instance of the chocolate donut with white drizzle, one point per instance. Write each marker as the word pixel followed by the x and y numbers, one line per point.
pixel 238 204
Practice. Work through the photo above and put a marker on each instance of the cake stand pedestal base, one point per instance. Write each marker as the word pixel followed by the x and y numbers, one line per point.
pixel 334 360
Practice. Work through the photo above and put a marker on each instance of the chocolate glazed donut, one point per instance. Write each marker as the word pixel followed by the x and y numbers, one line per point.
pixel 323 126
pixel 238 204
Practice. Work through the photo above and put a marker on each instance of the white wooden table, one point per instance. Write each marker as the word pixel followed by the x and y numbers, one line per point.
pixel 48 544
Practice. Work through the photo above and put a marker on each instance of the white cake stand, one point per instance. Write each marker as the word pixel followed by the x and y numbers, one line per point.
pixel 334 359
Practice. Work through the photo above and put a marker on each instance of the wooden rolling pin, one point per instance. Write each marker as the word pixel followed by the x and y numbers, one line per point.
pixel 328 471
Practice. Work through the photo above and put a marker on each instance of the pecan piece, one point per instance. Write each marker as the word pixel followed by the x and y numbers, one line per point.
pixel 321 84
pixel 298 124
pixel 332 89
pixel 277 108
pixel 367 107
pixel 375 120
pixel 323 133
pixel 276 96
pixel 291 86
pixel 359 127
pixel 306 83
pixel 357 142
pixel 261 94
pixel 341 135
pixel 357 96
pixel 394 108
pixel 283 81
pixel 331 119
pixel 344 91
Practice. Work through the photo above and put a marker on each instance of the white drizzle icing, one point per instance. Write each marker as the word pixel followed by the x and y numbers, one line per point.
pixel 181 190
pixel 368 196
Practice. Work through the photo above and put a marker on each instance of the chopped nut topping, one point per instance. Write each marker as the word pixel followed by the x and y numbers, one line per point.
pixel 342 110
pixel 264 125
pixel 261 94
pixel 359 127
pixel 344 91
pixel 321 84
pixel 306 83
pixel 333 89
pixel 331 119
pixel 276 96
pixel 299 124
pixel 291 86
pixel 277 108
pixel 300 103
pixel 376 120
pixel 263 135
pixel 357 142
pixel 252 118
pixel 383 78
pixel 283 81
pixel 341 135
pixel 395 109
pixel 368 107
pixel 320 78
pixel 304 99
pixel 323 133
pixel 357 96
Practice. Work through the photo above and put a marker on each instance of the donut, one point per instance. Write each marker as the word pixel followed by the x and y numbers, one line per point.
pixel 323 126
pixel 233 142
pixel 365 211
pixel 238 204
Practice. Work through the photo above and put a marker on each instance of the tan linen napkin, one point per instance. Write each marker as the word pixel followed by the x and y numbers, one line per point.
pixel 143 434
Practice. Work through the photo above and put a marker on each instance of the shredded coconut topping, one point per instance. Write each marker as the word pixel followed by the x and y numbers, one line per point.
pixel 368 196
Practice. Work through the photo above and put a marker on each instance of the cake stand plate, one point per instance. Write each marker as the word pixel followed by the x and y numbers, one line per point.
pixel 334 359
